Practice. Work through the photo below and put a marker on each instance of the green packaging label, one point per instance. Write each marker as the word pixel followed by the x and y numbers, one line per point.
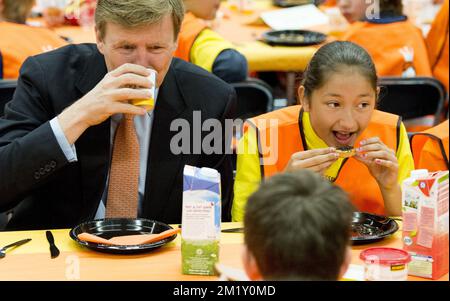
pixel 199 256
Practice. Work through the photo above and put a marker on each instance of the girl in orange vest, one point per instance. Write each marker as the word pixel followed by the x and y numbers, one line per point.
pixel 430 148
pixel 336 132
pixel 200 45
pixel 395 44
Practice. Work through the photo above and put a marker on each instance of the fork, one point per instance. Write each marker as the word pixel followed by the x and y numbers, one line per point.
pixel 14 244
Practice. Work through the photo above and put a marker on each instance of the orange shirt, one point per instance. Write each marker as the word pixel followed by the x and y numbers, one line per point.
pixel 430 148
pixel 19 41
pixel 189 31
pixel 437 43
pixel 388 45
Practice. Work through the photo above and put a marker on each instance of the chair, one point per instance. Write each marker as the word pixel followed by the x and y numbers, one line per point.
pixel 7 88
pixel 254 97
pixel 415 99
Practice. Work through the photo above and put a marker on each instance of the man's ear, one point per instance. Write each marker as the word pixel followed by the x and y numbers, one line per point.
pixel 302 98
pixel 250 265
pixel 99 40
pixel 346 263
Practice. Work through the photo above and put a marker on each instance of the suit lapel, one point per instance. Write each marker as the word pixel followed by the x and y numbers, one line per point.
pixel 93 146
pixel 162 166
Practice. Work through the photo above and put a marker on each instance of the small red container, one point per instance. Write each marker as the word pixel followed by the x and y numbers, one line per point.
pixel 385 264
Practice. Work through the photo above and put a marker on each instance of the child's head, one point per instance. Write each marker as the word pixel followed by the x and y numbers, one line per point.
pixel 297 227
pixel 16 11
pixel 357 10
pixel 339 90
pixel 353 10
pixel 203 9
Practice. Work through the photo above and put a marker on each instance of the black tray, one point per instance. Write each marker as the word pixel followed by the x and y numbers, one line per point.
pixel 291 3
pixel 293 37
pixel 368 228
pixel 108 228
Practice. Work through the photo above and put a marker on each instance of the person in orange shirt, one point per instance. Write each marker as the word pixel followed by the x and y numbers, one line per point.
pixel 395 44
pixel 430 148
pixel 202 46
pixel 18 40
pixel 437 43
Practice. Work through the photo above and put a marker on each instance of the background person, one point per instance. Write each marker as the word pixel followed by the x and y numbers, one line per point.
pixel 18 40
pixel 202 46
pixel 395 44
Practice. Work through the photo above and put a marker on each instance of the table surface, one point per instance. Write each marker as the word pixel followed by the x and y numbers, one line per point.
pixel 32 261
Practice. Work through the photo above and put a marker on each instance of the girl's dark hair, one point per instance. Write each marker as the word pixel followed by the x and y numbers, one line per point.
pixel 331 58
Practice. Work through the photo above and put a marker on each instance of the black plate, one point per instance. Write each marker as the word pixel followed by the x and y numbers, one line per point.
pixel 108 228
pixel 368 228
pixel 293 37
pixel 291 3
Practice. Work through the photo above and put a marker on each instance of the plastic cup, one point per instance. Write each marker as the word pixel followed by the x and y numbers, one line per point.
pixel 147 103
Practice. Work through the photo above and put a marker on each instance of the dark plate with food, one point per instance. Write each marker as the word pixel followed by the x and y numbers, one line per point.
pixel 368 228
pixel 293 37
pixel 114 227
pixel 290 3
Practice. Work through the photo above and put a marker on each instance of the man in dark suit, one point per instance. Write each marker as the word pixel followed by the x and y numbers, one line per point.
pixel 57 133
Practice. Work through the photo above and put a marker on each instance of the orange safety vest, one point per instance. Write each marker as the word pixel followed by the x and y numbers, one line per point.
pixel 19 41
pixel 189 31
pixel 437 137
pixel 384 43
pixel 353 176
pixel 329 3
pixel 437 43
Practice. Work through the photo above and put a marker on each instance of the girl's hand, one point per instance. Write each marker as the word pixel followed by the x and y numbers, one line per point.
pixel 317 160
pixel 380 160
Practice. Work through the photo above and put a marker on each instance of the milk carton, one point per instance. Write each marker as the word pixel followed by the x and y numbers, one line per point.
pixel 425 223
pixel 201 217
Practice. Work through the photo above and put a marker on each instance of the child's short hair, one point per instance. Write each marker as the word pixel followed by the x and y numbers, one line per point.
pixel 298 227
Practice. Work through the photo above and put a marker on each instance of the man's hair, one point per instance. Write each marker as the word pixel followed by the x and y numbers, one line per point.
pixel 298 227
pixel 136 13
pixel 17 11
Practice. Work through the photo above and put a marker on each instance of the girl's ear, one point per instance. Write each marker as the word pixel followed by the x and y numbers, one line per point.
pixel 378 92
pixel 302 98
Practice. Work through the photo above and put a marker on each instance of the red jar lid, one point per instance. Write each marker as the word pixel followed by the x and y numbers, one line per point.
pixel 385 256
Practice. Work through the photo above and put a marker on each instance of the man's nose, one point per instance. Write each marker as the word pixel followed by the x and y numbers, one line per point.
pixel 142 58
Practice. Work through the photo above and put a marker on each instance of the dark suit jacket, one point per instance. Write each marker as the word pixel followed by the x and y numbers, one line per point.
pixel 49 191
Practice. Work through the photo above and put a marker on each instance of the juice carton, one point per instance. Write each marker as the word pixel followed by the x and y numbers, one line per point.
pixel 201 216
pixel 425 223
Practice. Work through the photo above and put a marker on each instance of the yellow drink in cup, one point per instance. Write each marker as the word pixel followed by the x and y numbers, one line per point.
pixel 148 103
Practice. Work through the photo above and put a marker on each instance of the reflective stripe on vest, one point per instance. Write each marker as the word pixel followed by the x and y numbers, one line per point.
pixel 354 177
pixel 190 29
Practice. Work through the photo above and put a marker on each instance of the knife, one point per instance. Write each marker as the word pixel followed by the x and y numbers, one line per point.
pixel 54 252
